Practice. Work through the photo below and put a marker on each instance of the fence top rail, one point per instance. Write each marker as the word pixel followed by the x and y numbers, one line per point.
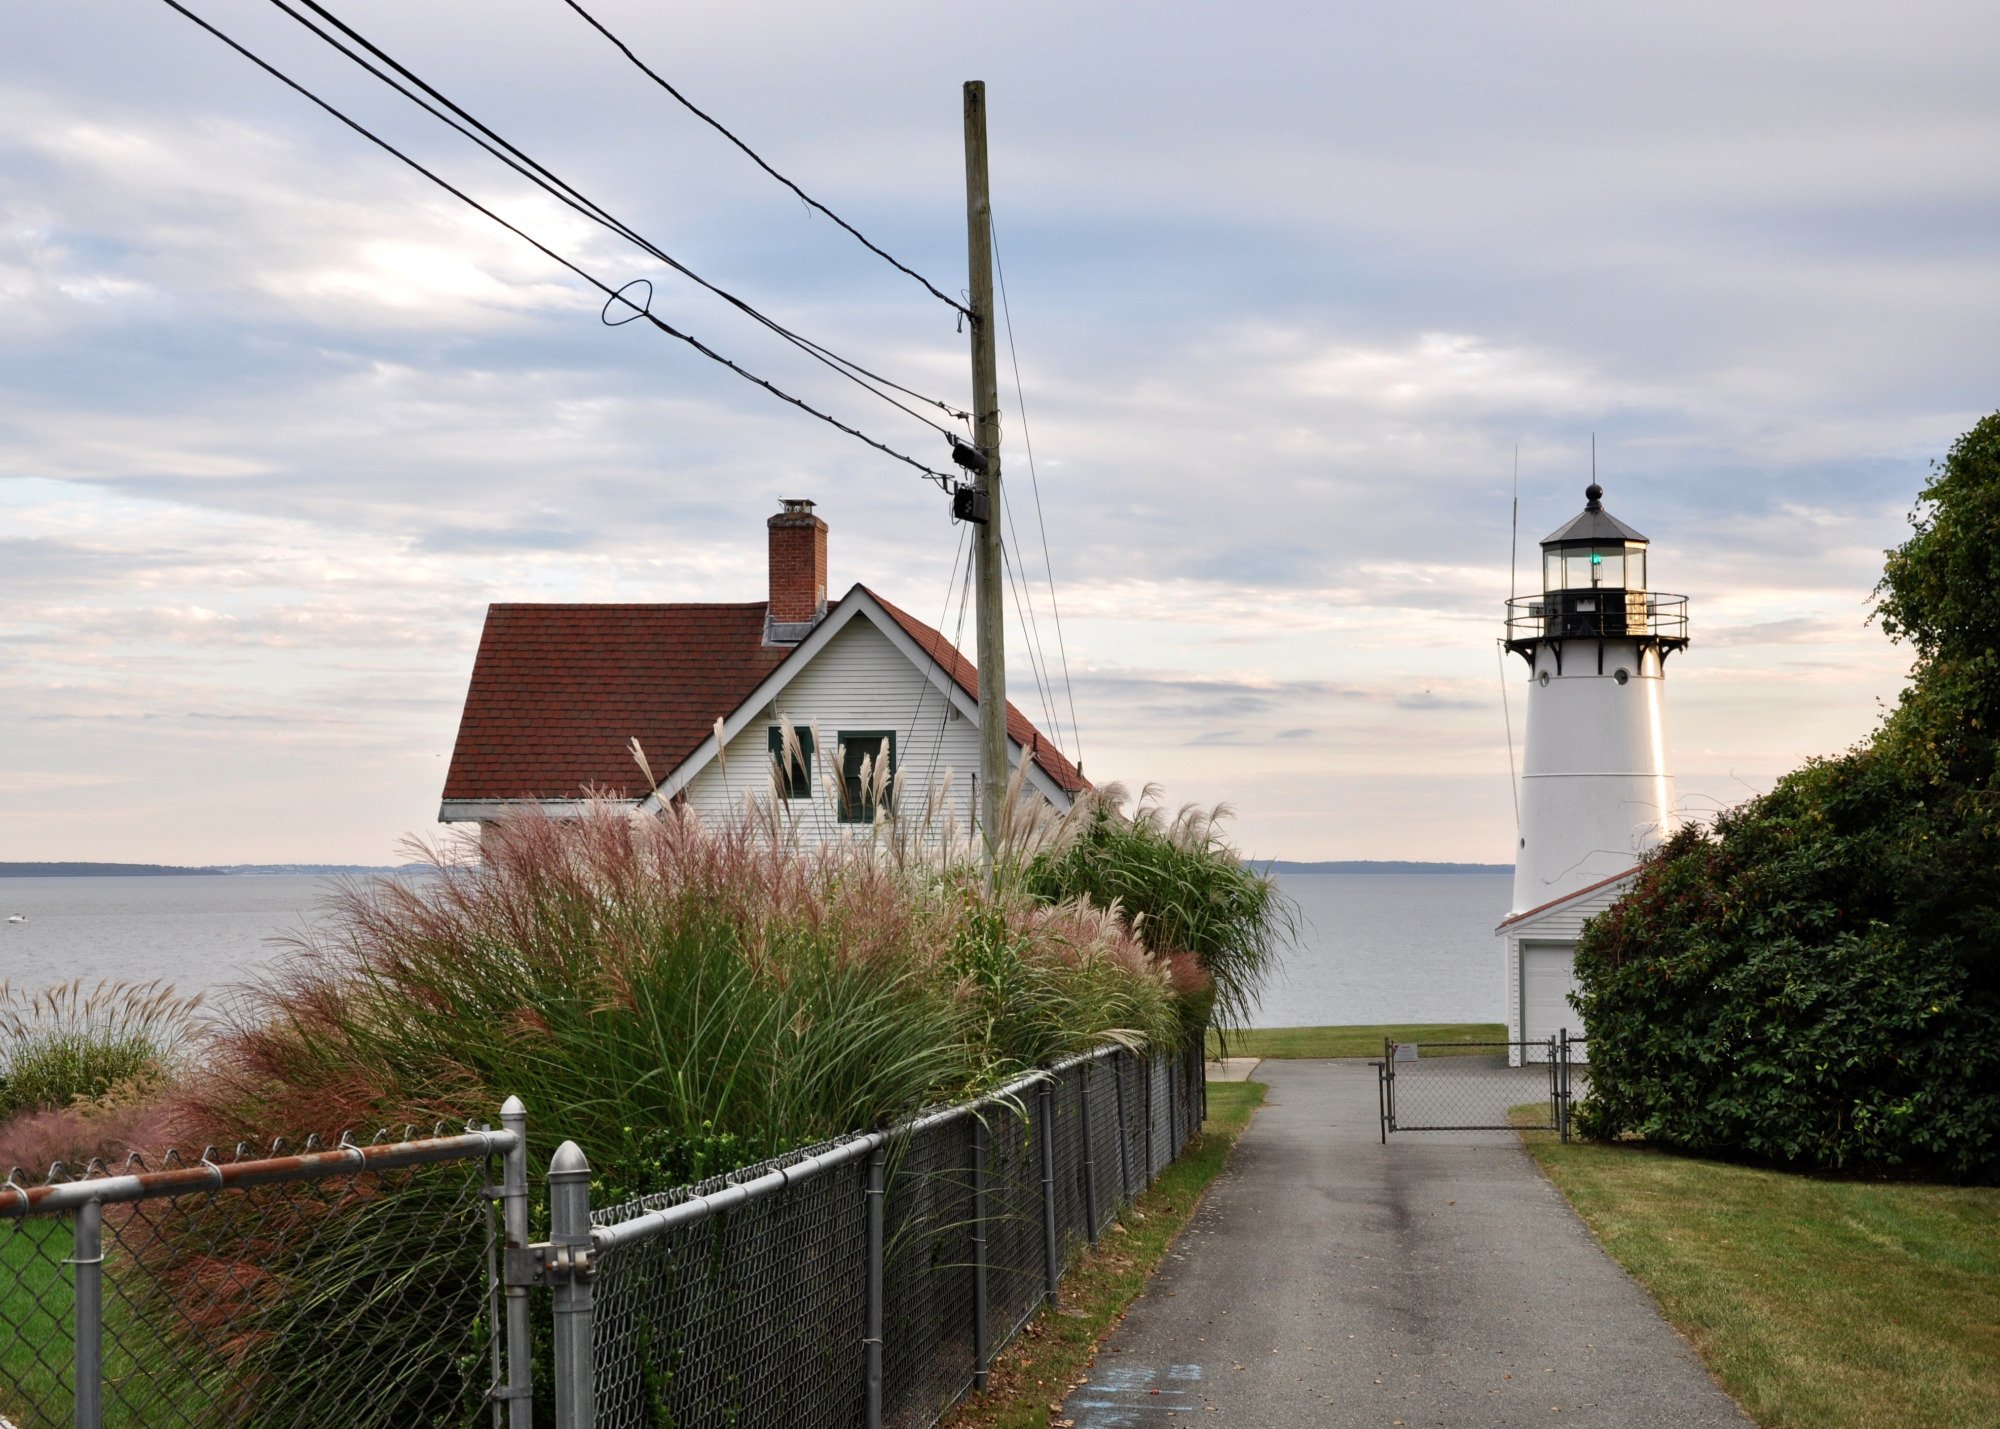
pixel 659 1221
pixel 346 1159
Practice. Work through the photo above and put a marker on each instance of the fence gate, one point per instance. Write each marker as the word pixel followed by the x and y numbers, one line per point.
pixel 1477 1086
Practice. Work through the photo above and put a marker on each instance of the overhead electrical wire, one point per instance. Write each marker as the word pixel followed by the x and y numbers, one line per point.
pixel 944 713
pixel 1036 660
pixel 943 480
pixel 715 124
pixel 568 194
pixel 1035 486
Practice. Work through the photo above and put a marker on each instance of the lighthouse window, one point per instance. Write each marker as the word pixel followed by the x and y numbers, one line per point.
pixel 1608 567
pixel 1635 568
pixel 1576 570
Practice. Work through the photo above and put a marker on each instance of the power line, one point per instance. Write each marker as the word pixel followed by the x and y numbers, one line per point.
pixel 944 714
pixel 943 480
pixel 1036 661
pixel 549 181
pixel 757 159
pixel 1035 485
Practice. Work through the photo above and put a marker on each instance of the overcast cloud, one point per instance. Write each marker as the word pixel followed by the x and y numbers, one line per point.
pixel 1290 285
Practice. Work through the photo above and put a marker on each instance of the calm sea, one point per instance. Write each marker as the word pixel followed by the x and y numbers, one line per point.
pixel 1413 947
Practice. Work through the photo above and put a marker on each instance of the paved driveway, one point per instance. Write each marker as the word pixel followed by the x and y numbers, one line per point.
pixel 1439 1280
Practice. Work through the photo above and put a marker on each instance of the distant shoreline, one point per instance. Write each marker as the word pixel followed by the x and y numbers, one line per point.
pixel 1369 865
pixel 169 870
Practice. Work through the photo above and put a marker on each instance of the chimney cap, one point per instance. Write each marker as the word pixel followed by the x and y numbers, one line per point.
pixel 796 505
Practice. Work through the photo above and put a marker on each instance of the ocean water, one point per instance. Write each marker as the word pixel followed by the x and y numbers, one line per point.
pixel 202 933
pixel 1413 947
pixel 1391 947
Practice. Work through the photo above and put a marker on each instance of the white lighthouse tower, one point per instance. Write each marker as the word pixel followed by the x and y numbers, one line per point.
pixel 1596 793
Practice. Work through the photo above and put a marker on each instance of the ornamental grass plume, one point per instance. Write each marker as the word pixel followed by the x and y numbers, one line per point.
pixel 676 981
pixel 1177 883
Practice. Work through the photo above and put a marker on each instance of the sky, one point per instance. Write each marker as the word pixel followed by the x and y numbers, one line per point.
pixel 1291 289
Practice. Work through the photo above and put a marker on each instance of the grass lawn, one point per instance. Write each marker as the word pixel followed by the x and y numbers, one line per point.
pixel 1031 1375
pixel 1358 1041
pixel 1816 1301
pixel 36 1308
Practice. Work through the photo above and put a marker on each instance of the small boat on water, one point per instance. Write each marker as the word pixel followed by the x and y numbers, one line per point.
pixel 15 918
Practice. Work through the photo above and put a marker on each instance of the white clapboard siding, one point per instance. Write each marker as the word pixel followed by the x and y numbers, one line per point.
pixel 858 682
pixel 1543 948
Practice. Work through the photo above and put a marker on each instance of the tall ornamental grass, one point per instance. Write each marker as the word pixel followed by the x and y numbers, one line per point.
pixel 71 1043
pixel 1174 880
pixel 678 997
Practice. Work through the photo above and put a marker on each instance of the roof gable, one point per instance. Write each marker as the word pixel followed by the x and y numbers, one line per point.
pixel 936 657
pixel 558 692
pixel 1605 891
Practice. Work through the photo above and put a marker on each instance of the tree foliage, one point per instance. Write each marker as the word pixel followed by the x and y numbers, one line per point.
pixel 1816 980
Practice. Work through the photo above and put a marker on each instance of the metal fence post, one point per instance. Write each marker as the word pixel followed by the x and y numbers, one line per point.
pixel 981 1351
pixel 1089 1161
pixel 1118 1061
pixel 1562 1099
pixel 1201 1070
pixel 1146 1067
pixel 872 1333
pixel 569 1236
pixel 519 1391
pixel 87 1262
pixel 1051 1257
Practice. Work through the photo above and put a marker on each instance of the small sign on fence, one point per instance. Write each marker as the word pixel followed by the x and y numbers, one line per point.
pixel 1406 1051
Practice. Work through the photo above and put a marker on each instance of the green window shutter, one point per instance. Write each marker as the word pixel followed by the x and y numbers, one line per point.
pixel 858 747
pixel 798 780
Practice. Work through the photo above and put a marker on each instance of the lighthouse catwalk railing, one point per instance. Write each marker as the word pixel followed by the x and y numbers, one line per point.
pixel 1611 614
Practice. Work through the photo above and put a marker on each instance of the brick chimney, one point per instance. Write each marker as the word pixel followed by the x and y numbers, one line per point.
pixel 798 573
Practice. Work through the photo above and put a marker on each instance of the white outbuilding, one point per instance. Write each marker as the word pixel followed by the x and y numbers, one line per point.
pixel 1596 793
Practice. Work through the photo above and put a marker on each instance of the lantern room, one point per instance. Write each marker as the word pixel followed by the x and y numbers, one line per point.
pixel 1594 586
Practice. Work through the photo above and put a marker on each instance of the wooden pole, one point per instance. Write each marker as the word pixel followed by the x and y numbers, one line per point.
pixel 987 575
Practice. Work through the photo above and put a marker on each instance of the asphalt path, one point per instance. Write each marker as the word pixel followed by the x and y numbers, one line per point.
pixel 1439 1280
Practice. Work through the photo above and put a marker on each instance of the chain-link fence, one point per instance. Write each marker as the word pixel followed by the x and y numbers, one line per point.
pixel 350 1284
pixel 1480 1086
pixel 866 1281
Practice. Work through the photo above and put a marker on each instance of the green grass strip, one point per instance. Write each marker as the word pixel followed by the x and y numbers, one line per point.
pixel 1362 1040
pixel 1834 1303
pixel 1031 1375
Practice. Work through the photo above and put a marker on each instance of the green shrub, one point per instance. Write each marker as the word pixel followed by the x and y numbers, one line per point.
pixel 1816 982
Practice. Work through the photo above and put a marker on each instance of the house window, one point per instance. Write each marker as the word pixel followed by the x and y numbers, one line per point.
pixel 874 750
pixel 795 782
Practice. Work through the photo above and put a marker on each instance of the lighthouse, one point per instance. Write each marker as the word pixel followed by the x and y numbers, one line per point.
pixel 1596 792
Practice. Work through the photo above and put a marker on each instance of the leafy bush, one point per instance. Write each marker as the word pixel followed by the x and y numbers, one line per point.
pixel 1181 888
pixel 1816 982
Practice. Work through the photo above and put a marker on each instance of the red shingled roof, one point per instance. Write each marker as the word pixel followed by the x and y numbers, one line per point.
pixel 559 691
pixel 966 675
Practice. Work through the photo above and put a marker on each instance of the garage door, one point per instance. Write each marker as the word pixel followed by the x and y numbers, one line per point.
pixel 1547 980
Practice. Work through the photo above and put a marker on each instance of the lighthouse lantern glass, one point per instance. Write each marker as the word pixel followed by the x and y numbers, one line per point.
pixel 1617 567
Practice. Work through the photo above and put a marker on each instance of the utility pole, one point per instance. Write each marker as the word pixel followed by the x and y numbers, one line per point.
pixel 986 434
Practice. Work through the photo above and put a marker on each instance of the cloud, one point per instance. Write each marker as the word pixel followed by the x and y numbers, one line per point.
pixel 1288 287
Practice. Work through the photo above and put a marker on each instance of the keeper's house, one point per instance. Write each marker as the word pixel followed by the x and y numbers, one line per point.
pixel 560 692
